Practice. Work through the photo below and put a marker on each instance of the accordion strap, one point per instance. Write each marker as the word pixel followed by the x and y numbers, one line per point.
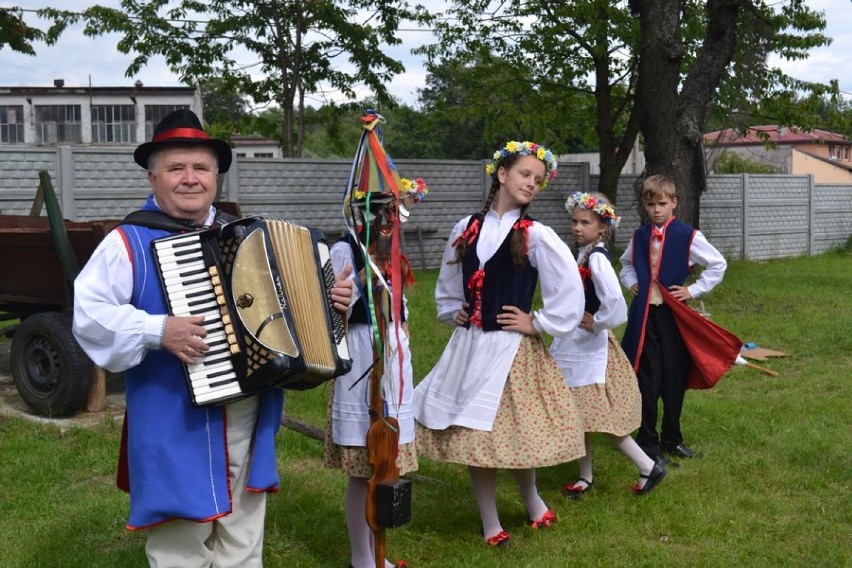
pixel 159 220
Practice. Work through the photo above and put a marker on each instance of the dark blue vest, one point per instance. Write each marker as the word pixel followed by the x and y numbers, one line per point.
pixel 503 284
pixel 673 270
pixel 593 303
pixel 360 310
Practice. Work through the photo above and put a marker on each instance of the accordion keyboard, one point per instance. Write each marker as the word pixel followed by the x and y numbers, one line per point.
pixel 193 288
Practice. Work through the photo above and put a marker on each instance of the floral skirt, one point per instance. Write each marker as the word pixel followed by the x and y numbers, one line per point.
pixel 353 460
pixel 537 422
pixel 616 406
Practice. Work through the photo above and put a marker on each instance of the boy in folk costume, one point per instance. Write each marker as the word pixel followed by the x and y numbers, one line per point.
pixel 663 252
pixel 496 399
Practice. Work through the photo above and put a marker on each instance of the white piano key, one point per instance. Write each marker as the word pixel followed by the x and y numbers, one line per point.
pixel 200 370
pixel 168 268
pixel 218 395
pixel 206 382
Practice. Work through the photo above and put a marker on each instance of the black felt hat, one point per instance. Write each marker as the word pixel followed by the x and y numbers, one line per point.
pixel 182 127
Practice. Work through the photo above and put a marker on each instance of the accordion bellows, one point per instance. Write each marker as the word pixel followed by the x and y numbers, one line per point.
pixel 263 286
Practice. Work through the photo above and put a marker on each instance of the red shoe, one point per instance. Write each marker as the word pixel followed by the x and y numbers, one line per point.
pixel 499 540
pixel 401 564
pixel 546 520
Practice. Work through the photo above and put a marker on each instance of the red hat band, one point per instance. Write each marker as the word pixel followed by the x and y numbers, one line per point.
pixel 181 133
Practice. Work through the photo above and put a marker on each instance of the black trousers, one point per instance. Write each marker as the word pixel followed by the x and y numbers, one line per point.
pixel 663 371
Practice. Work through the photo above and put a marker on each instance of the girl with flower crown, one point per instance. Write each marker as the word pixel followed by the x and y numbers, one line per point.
pixel 496 399
pixel 600 377
pixel 348 418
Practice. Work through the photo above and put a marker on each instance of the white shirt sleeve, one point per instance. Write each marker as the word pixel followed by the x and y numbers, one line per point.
pixel 559 280
pixel 613 310
pixel 113 333
pixel 449 289
pixel 704 254
pixel 628 272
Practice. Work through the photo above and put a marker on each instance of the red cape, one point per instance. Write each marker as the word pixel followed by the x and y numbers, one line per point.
pixel 713 349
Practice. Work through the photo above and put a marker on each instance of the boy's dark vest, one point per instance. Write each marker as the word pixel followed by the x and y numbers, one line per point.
pixel 503 285
pixel 673 270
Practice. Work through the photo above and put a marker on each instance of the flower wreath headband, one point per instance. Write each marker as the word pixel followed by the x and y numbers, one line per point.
pixel 586 201
pixel 525 148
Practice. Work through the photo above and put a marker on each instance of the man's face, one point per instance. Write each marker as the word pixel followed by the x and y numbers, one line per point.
pixel 183 180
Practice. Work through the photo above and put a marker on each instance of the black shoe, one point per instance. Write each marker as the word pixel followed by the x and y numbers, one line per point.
pixel 664 462
pixel 679 450
pixel 652 479
pixel 575 491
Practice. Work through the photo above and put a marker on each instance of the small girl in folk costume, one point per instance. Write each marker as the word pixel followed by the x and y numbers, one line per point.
pixel 496 398
pixel 596 369
pixel 348 416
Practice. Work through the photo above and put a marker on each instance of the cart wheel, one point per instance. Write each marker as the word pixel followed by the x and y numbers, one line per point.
pixel 52 373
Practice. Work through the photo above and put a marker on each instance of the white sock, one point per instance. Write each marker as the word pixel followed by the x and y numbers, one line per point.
pixel 484 481
pixel 585 464
pixel 640 459
pixel 525 478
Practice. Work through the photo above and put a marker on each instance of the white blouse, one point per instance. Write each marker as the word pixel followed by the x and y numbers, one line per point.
pixel 582 355
pixel 465 386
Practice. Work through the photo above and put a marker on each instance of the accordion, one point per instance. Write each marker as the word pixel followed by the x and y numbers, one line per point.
pixel 263 287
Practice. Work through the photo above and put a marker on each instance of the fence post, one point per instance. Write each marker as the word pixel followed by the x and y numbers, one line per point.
pixel 744 187
pixel 811 216
pixel 232 185
pixel 65 182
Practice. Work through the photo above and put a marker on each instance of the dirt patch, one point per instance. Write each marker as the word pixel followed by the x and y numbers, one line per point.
pixel 11 403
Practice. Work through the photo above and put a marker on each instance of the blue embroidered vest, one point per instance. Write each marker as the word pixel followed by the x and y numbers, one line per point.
pixel 177 455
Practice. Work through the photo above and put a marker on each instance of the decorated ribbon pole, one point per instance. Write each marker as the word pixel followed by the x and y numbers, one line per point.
pixel 372 173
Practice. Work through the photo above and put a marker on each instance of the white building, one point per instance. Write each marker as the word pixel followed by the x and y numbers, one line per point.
pixel 60 115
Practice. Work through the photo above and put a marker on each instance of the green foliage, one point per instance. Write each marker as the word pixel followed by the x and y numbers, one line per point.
pixel 298 48
pixel 733 163
pixel 15 33
pixel 770 487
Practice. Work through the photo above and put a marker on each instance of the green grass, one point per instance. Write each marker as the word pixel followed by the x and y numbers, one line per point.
pixel 771 488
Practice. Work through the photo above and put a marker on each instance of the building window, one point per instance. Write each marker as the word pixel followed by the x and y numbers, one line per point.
pixel 263 155
pixel 57 124
pixel 12 124
pixel 155 113
pixel 241 154
pixel 113 123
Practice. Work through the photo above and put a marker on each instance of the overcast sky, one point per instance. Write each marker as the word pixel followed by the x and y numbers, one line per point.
pixel 79 60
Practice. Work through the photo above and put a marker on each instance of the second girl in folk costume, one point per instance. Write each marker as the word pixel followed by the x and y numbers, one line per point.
pixel 596 369
pixel 348 415
pixel 496 399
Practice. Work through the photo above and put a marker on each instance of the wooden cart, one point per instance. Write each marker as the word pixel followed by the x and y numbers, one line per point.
pixel 40 257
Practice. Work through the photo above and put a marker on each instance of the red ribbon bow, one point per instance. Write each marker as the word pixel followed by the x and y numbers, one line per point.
pixel 469 234
pixel 656 233
pixel 524 225
pixel 475 287
pixel 585 274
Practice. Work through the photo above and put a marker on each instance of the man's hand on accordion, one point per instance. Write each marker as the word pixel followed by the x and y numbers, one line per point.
pixel 184 336
pixel 341 292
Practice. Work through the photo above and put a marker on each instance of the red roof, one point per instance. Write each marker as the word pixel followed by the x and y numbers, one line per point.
pixel 776 134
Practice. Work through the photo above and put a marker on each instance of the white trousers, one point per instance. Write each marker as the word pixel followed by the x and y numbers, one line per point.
pixel 235 540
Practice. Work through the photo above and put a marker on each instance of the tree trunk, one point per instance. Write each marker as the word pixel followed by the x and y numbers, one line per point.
pixel 672 123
